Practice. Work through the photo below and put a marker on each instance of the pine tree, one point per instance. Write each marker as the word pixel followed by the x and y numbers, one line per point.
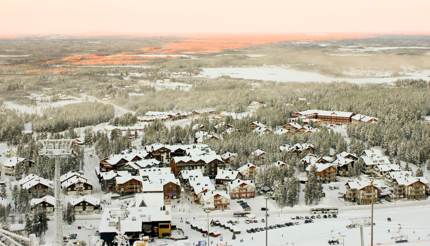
pixel 419 172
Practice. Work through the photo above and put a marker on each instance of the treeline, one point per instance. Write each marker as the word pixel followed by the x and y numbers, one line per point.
pixel 72 116
pixel 11 126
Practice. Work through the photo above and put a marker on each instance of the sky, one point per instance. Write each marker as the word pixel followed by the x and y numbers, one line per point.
pixel 73 17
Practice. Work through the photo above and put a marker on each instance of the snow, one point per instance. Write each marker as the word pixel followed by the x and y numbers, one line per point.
pixel 287 74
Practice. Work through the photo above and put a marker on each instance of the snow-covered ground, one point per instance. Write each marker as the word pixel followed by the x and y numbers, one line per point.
pixel 286 74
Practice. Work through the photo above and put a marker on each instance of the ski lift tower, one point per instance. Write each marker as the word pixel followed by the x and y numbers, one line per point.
pixel 57 149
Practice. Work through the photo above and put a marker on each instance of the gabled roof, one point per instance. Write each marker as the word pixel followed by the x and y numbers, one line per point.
pixel 245 167
pixel 201 184
pixel 319 167
pixel 47 199
pixel 258 152
pixel 125 179
pixel 146 163
pixel 69 175
pixel 89 199
pixel 187 174
pixel 32 180
pixel 75 180
pixel 226 174
pixel 238 182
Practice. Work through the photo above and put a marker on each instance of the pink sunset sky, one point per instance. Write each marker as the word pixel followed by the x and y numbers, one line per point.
pixel 22 17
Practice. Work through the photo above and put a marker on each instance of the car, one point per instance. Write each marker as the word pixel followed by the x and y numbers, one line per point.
pixel 264 209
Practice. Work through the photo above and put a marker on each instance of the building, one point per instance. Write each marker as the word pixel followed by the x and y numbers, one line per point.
pixel 74 183
pixel 86 205
pixel 45 204
pixel 298 148
pixel 409 187
pixel 238 189
pixel 215 199
pixel 248 171
pixel 36 186
pixel 325 116
pixel 12 164
pixel 345 163
pixel 128 184
pixel 362 192
pixel 209 164
pixel 225 175
pixel 325 172
pixel 149 216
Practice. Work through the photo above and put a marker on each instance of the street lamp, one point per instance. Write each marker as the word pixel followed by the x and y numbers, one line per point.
pixel 265 190
pixel 207 217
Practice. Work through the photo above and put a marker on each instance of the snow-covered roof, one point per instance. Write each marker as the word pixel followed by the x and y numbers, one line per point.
pixel 310 158
pixel 108 175
pixel 148 172
pixel 326 113
pixel 258 152
pixel 226 174
pixel 197 158
pixel 237 182
pixel 362 183
pixel 34 180
pixel 201 184
pixel 319 167
pixel 74 180
pixel 388 168
pixel 12 161
pixel 364 118
pixel 187 174
pixel 279 163
pixel 374 157
pixel 245 167
pixel 125 179
pixel 152 186
pixel 227 155
pixel 48 199
pixel 69 175
pixel 146 163
pixel 89 199
pixel 406 178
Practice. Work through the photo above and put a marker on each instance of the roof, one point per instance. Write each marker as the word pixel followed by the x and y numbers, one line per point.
pixel 201 184
pixel 245 167
pixel 326 113
pixel 146 163
pixel 108 175
pixel 364 118
pixel 360 184
pixel 148 172
pixel 187 174
pixel 47 199
pixel 89 199
pixel 226 174
pixel 12 161
pixel 75 180
pixel 258 152
pixel 319 167
pixel 35 180
pixel 237 182
pixel 407 179
pixel 125 179
pixel 69 175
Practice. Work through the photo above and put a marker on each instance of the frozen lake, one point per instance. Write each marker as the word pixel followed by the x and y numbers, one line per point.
pixel 286 74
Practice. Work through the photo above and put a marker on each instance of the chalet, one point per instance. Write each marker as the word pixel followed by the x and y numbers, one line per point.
pixel 362 192
pixel 215 199
pixel 248 171
pixel 186 175
pixel 360 118
pixel 225 175
pixel 294 127
pixel 128 184
pixel 345 163
pixel 280 131
pixel 199 186
pixel 44 204
pixel 35 185
pixel 115 162
pixel 373 158
pixel 228 157
pixel 325 172
pixel 107 180
pixel 298 148
pixel 409 187
pixel 147 163
pixel 10 165
pixel 86 205
pixel 77 185
pixel 159 152
pixel 208 163
pixel 202 136
pixel 148 217
pixel 238 189
pixel 258 153
pixel 383 170
pixel 261 130
pixel 324 116
pixel 162 181
pixel 257 124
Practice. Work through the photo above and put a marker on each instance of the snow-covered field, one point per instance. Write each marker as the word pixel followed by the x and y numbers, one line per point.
pixel 286 74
